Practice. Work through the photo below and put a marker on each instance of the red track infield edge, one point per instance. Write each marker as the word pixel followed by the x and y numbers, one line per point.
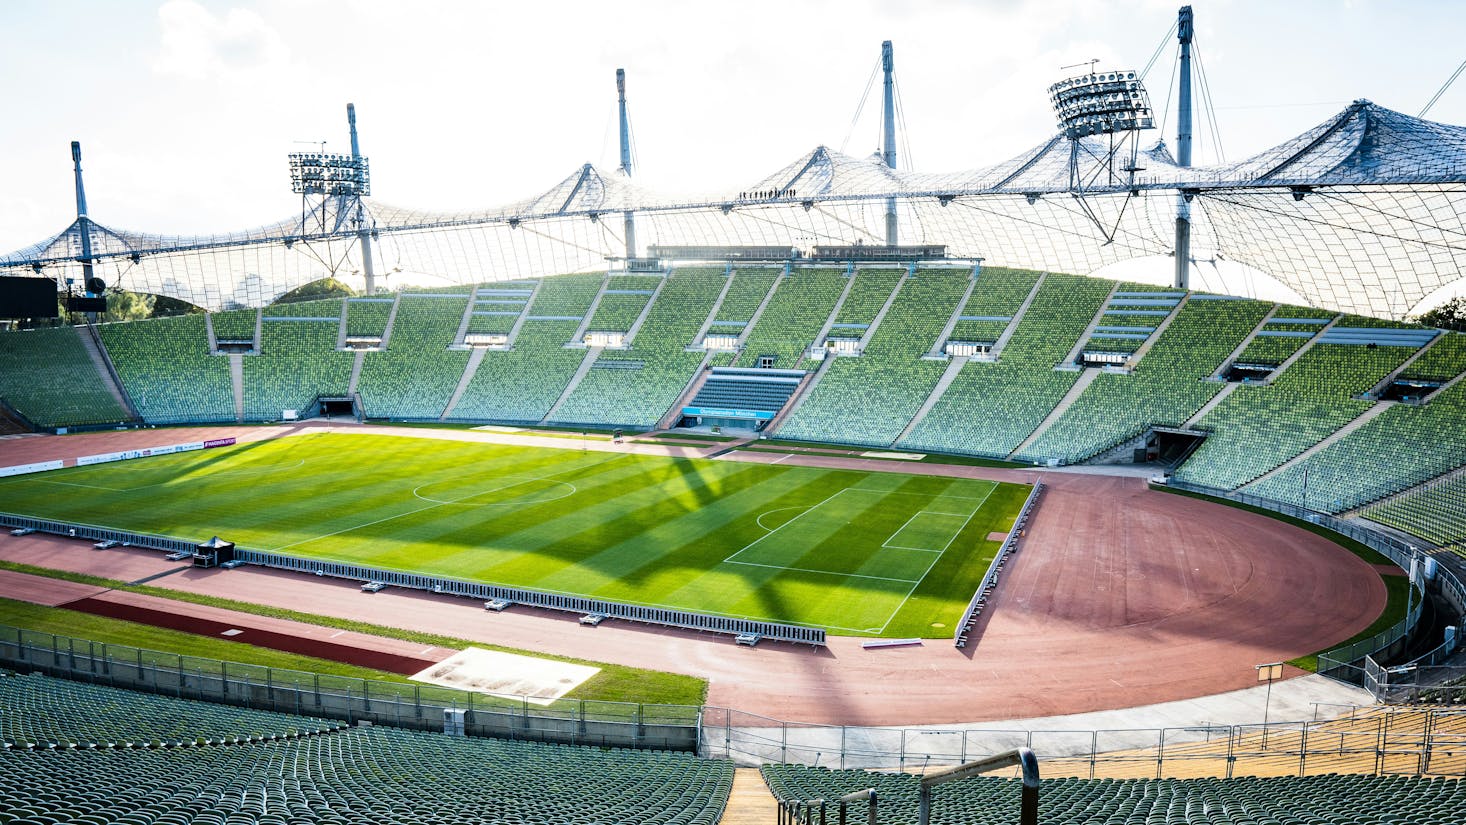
pixel 1118 597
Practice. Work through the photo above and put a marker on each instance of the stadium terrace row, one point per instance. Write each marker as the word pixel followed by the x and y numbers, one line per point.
pixel 1341 414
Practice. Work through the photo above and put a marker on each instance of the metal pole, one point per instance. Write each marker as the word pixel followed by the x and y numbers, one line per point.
pixel 1183 151
pixel 364 234
pixel 630 218
pixel 888 150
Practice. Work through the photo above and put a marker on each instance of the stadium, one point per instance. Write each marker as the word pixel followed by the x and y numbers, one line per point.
pixel 782 503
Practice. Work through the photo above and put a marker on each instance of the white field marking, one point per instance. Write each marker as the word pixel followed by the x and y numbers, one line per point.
pixel 760 520
pixel 523 480
pixel 786 524
pixel 337 633
pixel 827 572
pixel 429 507
pixel 935 559
pixel 173 476
pixel 887 543
pixel 925 495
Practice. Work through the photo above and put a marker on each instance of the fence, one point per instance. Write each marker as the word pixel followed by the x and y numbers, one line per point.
pixel 1404 741
pixel 990 578
pixel 92 532
pixel 1347 663
pixel 398 704
pixel 551 601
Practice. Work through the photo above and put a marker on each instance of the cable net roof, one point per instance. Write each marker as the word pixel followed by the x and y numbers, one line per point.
pixel 1362 213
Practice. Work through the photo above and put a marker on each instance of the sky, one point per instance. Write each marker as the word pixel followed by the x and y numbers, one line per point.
pixel 186 109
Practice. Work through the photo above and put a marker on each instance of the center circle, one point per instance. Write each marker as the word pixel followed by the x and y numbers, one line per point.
pixel 496 492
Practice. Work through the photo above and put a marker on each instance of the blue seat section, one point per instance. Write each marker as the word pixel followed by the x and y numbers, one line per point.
pixel 48 376
pixel 744 389
pixel 168 371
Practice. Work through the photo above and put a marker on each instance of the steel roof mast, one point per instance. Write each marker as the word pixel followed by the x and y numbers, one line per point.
pixel 1183 152
pixel 626 160
pixel 888 117
pixel 364 235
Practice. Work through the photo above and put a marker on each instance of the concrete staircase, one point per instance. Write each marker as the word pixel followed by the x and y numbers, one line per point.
pixel 91 341
pixel 749 801
pixel 474 359
pixel 954 366
pixel 1085 379
pixel 591 354
pixel 236 378
pixel 1364 418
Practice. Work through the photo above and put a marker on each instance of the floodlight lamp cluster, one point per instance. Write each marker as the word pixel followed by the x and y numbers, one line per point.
pixel 1101 103
pixel 323 173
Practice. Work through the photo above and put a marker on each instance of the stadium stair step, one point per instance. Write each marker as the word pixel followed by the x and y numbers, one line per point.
pixel 758 313
pixel 1017 317
pixel 1094 322
pixel 1364 418
pixel 1246 342
pixel 236 380
pixel 1377 389
pixel 524 315
pixel 834 313
pixel 1085 379
pixel 749 802
pixel 209 328
pixel 641 319
pixel 886 307
pixel 391 321
pixel 474 359
pixel 355 372
pixel 91 341
pixel 1210 405
pixel 1158 332
pixel 341 333
pixel 800 393
pixel 1303 349
pixel 591 354
pixel 1443 478
pixel 698 379
pixel 590 313
pixel 938 345
pixel 707 322
pixel 954 366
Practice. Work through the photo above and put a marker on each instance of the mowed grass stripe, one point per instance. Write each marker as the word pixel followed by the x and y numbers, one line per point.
pixel 644 529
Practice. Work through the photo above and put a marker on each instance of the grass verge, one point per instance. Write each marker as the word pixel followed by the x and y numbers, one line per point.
pixel 615 683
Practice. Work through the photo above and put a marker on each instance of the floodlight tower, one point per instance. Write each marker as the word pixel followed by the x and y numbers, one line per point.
pixel 626 161
pixel 1183 151
pixel 888 133
pixel 1097 105
pixel 340 182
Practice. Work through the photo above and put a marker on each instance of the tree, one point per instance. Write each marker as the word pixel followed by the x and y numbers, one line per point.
pixel 127 306
pixel 1450 315
pixel 324 288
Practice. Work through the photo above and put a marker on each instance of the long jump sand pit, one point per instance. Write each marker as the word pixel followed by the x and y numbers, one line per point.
pixel 539 681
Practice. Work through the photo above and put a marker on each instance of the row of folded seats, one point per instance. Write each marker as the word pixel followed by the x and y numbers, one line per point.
pixel 1313 800
pixel 238 767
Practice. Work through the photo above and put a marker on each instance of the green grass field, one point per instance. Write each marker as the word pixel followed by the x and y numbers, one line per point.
pixel 851 551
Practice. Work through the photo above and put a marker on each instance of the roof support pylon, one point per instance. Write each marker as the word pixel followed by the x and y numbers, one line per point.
pixel 630 217
pixel 888 132
pixel 364 232
pixel 1183 152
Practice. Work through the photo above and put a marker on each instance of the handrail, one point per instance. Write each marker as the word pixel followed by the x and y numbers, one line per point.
pixel 1022 757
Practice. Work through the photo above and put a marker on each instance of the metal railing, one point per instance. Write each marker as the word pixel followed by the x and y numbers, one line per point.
pixel 396 704
pixel 1389 740
pixel 1346 663
pixel 990 578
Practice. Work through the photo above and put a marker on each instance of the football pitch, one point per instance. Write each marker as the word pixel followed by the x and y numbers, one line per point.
pixel 855 552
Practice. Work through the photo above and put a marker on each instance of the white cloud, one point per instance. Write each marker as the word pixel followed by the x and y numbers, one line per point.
pixel 197 44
